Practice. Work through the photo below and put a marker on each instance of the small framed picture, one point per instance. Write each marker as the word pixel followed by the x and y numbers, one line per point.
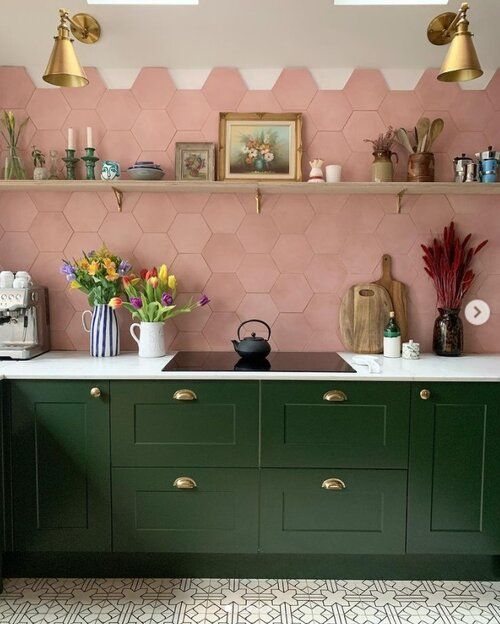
pixel 195 162
pixel 260 146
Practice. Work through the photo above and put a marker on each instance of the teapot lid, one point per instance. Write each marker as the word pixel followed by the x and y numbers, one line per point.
pixel 253 336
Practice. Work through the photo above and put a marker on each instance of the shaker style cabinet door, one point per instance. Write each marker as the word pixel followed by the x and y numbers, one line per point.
pixel 185 423
pixel 61 466
pixel 454 477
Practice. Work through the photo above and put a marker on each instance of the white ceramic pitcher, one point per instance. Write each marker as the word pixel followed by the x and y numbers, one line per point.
pixel 151 339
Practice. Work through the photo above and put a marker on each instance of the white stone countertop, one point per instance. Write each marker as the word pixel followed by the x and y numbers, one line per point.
pixel 79 365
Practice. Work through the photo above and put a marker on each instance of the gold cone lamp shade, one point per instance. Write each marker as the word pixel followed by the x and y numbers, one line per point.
pixel 63 68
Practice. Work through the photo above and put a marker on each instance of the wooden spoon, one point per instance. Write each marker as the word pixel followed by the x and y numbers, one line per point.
pixel 403 139
pixel 422 128
pixel 435 130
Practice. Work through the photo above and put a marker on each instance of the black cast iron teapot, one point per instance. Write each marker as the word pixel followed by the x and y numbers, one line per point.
pixel 253 346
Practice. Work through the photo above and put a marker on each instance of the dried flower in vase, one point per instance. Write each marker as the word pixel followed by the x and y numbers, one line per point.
pixel 384 142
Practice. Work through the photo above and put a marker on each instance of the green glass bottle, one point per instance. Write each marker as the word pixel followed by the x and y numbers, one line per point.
pixel 392 338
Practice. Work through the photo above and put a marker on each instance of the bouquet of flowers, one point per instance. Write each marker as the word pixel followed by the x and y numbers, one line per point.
pixel 98 274
pixel 259 150
pixel 151 296
pixel 194 163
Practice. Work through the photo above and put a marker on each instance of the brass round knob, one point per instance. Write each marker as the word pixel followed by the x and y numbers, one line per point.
pixel 425 394
pixel 95 393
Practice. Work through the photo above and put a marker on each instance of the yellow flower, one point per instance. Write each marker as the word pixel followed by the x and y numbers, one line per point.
pixel 93 267
pixel 163 274
pixel 112 275
pixel 108 264
pixel 154 281
pixel 172 282
pixel 84 264
pixel 74 285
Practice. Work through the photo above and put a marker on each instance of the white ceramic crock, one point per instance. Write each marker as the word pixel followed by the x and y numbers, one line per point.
pixel 151 339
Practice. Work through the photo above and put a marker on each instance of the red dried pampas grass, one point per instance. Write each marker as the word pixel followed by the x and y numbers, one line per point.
pixel 447 262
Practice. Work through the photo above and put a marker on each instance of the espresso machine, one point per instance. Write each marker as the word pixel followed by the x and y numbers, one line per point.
pixel 24 319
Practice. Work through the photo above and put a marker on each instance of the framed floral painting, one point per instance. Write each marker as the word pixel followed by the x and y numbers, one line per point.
pixel 195 162
pixel 260 146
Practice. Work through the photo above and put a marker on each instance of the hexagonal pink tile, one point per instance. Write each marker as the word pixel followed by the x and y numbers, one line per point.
pixel 45 271
pixel 330 110
pixel 82 242
pixel 327 204
pixel 85 212
pixel 120 232
pixel 322 311
pixel 189 202
pixel 490 292
pixel 431 213
pixel 488 335
pixel 292 214
pixel 493 90
pixel 189 232
pixel 61 311
pixel 79 120
pixel 26 137
pixel 226 292
pixel 291 332
pixel 154 213
pixel 210 128
pixel 50 231
pixel 192 272
pixel 396 233
pixel 361 213
pixel 325 340
pixel 89 96
pixel 45 201
pixel 295 89
pixel 434 94
pixel 467 142
pixel 17 251
pixel 109 200
pixel 258 305
pixel 365 89
pixel 47 109
pixel 358 167
pixel 193 321
pixel 16 87
pixel 363 125
pixel 220 329
pixel 361 253
pixel 259 101
pixel 292 253
pixel 60 341
pixel 224 88
pixel 223 253
pixel 190 341
pixel 400 109
pixel 258 233
pixel 223 213
pixel 257 273
pixel 79 337
pixel 118 109
pixel 153 130
pixel 330 146
pixel 326 234
pixel 119 145
pixel 492 130
pixel 47 140
pixel 326 273
pixel 154 250
pixel 188 136
pixel 189 109
pixel 471 111
pixel 153 87
pixel 247 200
pixel 291 293
pixel 17 212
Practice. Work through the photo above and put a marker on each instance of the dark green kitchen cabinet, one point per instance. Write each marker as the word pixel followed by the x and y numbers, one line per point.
pixel 60 466
pixel 190 510
pixel 363 425
pixel 454 476
pixel 185 423
pixel 364 512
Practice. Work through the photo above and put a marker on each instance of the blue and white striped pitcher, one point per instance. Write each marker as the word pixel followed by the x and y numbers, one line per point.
pixel 104 331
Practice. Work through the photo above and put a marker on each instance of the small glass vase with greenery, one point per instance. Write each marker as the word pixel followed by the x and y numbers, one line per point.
pixel 14 168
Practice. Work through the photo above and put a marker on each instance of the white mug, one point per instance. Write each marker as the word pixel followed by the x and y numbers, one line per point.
pixel 333 173
pixel 151 339
pixel 20 282
pixel 6 279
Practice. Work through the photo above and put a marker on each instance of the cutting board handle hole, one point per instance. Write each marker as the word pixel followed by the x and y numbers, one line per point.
pixel 366 293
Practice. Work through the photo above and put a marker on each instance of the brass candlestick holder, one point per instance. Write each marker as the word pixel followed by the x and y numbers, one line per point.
pixel 90 161
pixel 70 161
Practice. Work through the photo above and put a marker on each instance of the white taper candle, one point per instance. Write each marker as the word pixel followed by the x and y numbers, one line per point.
pixel 71 139
pixel 89 137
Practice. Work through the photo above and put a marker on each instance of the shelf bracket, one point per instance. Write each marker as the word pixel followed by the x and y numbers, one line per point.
pixel 258 200
pixel 401 194
pixel 118 197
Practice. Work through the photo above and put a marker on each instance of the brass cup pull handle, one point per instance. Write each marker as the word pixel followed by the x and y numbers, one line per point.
pixel 95 393
pixel 425 394
pixel 336 396
pixel 185 483
pixel 333 484
pixel 184 395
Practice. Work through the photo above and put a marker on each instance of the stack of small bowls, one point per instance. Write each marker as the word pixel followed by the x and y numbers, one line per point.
pixel 145 170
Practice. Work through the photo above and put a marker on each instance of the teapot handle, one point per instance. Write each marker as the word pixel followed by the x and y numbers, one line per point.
pixel 255 321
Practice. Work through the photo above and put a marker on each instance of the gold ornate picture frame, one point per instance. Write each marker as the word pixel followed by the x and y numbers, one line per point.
pixel 263 147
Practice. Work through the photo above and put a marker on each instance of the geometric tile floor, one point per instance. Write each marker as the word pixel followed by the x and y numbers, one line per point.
pixel 247 601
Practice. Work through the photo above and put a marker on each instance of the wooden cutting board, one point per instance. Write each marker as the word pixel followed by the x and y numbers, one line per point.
pixel 364 312
pixel 397 292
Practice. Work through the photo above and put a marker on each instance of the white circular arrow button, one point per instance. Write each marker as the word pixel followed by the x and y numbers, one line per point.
pixel 477 312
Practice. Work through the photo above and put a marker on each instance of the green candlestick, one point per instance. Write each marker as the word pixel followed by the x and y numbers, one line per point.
pixel 90 161
pixel 70 161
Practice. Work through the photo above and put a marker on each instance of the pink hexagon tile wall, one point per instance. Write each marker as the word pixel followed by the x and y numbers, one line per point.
pixel 289 265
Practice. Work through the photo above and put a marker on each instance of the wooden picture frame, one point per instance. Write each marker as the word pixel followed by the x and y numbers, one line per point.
pixel 188 162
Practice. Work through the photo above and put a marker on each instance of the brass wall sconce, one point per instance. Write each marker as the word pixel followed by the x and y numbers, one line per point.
pixel 461 62
pixel 63 68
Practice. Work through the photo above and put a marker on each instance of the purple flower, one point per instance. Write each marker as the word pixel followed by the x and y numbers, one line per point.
pixel 136 302
pixel 67 269
pixel 203 301
pixel 167 299
pixel 70 277
pixel 124 267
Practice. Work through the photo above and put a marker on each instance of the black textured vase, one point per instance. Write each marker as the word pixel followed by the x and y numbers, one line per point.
pixel 448 337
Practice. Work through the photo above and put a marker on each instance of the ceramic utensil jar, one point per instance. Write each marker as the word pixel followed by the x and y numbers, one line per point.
pixel 151 339
pixel 421 167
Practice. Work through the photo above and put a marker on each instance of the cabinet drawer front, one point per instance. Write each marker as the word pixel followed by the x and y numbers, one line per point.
pixel 219 427
pixel 367 428
pixel 299 515
pixel 220 514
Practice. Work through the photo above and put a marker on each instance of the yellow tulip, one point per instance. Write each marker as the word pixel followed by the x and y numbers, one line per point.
pixel 163 274
pixel 93 268
pixel 74 285
pixel 172 282
pixel 84 264
pixel 112 275
pixel 108 263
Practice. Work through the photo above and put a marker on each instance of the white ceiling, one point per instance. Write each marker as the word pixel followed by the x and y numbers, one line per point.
pixel 245 34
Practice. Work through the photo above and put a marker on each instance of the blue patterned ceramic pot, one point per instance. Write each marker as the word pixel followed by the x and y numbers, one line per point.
pixel 104 331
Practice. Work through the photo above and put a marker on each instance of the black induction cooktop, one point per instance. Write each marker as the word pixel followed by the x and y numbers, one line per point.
pixel 276 362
